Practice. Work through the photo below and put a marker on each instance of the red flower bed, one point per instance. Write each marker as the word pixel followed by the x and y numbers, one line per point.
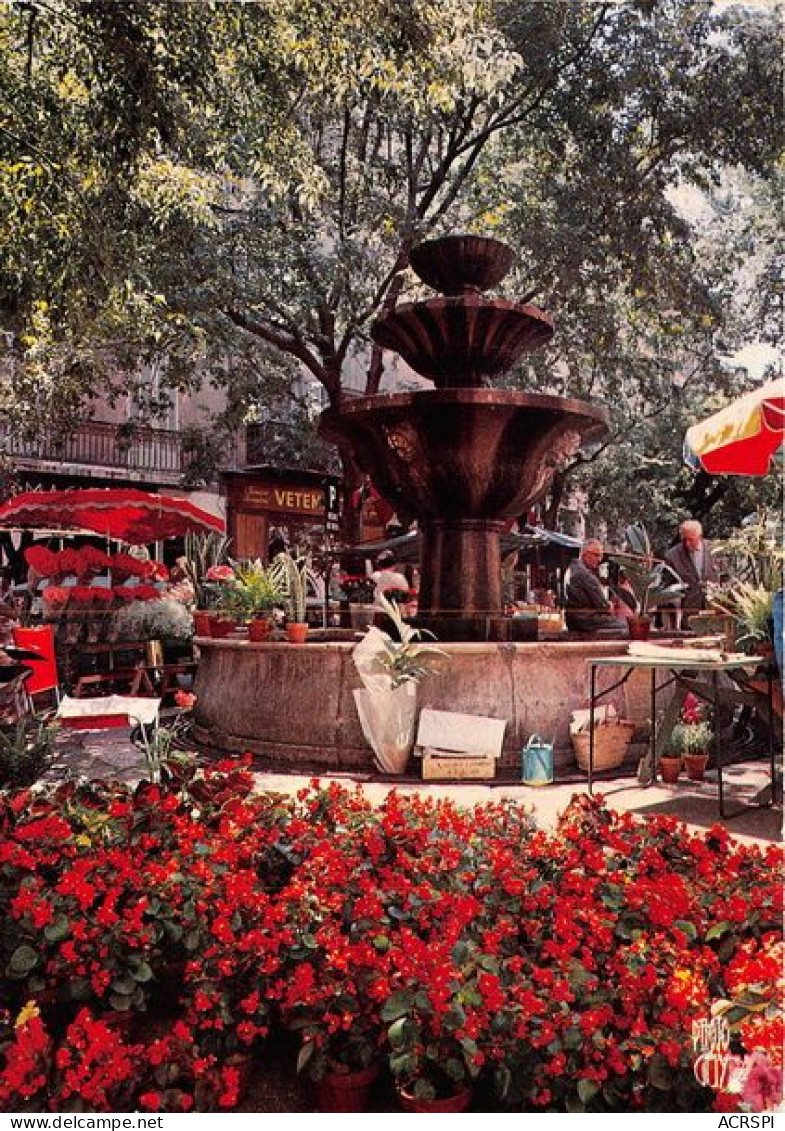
pixel 564 969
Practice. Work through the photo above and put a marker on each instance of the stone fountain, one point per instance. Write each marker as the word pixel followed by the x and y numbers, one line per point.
pixel 462 457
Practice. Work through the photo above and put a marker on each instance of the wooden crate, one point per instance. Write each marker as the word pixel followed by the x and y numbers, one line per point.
pixel 462 767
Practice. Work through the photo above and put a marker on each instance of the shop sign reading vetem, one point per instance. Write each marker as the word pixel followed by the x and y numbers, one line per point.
pixel 290 500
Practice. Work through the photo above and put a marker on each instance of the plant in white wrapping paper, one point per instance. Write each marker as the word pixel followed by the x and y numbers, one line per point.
pixel 390 671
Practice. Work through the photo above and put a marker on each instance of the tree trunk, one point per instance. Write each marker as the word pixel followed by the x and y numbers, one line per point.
pixel 550 513
pixel 352 477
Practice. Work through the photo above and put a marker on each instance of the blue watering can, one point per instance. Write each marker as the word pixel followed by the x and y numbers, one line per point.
pixel 537 761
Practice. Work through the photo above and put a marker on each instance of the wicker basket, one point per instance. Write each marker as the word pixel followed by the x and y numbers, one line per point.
pixel 611 740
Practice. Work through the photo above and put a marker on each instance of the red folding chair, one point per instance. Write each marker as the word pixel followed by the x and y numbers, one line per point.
pixel 40 639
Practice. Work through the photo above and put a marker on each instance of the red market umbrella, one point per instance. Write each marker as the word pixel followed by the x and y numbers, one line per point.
pixel 122 513
pixel 742 438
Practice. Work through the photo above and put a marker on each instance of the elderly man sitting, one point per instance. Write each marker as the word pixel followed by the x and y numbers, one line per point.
pixel 587 608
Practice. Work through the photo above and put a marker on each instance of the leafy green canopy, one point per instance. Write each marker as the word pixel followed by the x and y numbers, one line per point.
pixel 236 187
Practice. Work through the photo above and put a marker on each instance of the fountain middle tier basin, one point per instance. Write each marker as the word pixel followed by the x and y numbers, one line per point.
pixel 463 453
pixel 461 341
pixel 292 705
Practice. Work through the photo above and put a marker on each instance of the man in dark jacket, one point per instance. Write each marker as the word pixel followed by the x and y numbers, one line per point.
pixel 587 607
pixel 693 561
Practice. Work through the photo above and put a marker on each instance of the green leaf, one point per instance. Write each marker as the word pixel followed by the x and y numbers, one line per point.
pixel 397 1005
pixel 587 1090
pixel 402 1033
pixel 403 1064
pixel 305 1054
pixel 120 1002
pixel 717 930
pixel 142 973
pixel 124 986
pixel 460 952
pixel 22 961
pixel 502 1080
pixel 455 1017
pixel 686 928
pixel 659 1073
pixel 57 930
pixel 454 1069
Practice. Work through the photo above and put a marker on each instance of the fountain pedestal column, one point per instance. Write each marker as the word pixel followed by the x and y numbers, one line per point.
pixel 461 582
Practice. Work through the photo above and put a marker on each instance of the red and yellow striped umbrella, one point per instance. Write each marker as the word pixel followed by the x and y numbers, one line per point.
pixel 742 438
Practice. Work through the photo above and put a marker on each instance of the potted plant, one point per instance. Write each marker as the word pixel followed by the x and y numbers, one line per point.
pixel 652 581
pixel 219 588
pixel 202 552
pixel 342 1063
pixel 433 1060
pixel 251 597
pixel 291 575
pixel 752 605
pixel 692 741
pixel 359 591
pixel 670 767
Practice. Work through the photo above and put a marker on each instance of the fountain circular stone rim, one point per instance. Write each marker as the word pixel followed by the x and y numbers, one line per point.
pixel 469 395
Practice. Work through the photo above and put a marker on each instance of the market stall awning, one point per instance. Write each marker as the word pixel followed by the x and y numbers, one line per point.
pixel 742 438
pixel 406 547
pixel 122 513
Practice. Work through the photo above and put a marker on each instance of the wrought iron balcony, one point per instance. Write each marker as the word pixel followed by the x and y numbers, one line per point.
pixel 144 453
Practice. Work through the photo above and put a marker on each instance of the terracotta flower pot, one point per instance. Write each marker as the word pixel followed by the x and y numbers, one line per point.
pixel 345 1091
pixel 221 627
pixel 202 619
pixel 296 632
pixel 640 628
pixel 259 629
pixel 670 768
pixel 695 765
pixel 459 1101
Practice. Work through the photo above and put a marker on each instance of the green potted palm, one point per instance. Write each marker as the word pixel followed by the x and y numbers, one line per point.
pixel 752 606
pixel 202 553
pixel 253 595
pixel 652 581
pixel 291 575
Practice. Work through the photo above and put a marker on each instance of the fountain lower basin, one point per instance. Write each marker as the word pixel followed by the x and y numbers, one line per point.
pixel 292 706
pixel 462 461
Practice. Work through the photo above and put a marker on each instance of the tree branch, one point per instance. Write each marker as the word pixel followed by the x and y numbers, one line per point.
pixel 286 343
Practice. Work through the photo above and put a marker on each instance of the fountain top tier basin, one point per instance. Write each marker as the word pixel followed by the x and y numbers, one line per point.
pixel 461 263
pixel 462 340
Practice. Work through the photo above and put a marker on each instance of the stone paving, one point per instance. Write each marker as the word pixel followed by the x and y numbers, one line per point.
pixel 110 754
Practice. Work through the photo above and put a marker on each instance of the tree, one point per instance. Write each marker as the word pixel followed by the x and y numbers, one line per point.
pixel 263 204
